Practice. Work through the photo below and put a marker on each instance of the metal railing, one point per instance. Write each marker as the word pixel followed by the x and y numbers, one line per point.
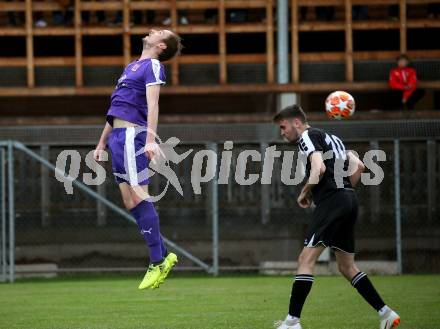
pixel 390 214
pixel 8 239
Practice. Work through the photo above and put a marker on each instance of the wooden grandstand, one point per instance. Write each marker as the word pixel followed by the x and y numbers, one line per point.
pixel 221 28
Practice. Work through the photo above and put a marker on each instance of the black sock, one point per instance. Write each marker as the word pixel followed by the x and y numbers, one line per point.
pixel 300 289
pixel 364 286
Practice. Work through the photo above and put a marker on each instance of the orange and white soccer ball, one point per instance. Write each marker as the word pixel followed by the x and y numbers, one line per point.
pixel 339 105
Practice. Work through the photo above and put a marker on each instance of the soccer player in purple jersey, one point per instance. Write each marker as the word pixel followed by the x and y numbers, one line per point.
pixel 130 132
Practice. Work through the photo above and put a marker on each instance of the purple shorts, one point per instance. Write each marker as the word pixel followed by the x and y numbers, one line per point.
pixel 129 161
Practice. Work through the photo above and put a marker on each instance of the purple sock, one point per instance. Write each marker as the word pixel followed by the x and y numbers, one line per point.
pixel 148 223
pixel 164 249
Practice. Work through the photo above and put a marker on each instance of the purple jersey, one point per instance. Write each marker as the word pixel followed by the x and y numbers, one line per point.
pixel 128 101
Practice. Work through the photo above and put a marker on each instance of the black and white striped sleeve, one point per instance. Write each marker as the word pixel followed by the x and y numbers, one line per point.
pixel 309 142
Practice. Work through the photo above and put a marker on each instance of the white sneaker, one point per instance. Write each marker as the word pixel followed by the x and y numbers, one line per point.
pixel 389 320
pixel 287 324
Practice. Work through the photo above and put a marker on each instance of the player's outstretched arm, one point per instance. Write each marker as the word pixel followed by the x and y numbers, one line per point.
pixel 102 142
pixel 359 168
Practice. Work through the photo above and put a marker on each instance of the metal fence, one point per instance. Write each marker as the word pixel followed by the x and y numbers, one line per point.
pixel 231 226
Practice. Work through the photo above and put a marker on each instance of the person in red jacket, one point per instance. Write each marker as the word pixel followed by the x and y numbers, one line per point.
pixel 403 79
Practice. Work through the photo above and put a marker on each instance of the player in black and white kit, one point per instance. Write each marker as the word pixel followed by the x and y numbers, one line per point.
pixel 334 216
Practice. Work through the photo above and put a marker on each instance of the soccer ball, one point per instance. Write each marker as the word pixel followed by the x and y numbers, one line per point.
pixel 339 105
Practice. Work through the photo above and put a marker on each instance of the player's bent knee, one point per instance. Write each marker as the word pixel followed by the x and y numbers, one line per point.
pixel 306 259
pixel 128 203
pixel 342 268
pixel 347 270
pixel 136 200
pixel 139 193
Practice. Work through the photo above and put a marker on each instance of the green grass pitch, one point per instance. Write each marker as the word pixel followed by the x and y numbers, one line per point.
pixel 244 302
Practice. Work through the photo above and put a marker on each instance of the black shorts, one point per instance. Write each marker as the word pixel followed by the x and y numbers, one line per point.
pixel 333 222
